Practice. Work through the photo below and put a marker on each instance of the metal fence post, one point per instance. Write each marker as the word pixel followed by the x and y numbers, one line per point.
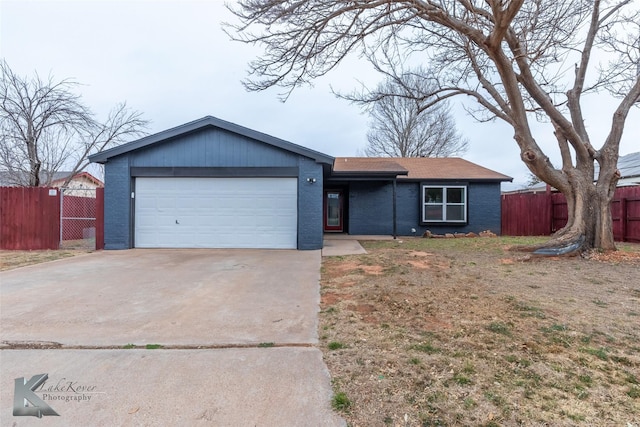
pixel 61 216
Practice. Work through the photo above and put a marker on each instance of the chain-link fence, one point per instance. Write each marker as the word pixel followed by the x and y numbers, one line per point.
pixel 77 218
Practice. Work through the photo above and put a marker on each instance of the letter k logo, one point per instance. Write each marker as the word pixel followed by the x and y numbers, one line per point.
pixel 24 395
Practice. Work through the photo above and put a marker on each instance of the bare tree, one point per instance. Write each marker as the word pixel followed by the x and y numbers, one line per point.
pixel 518 60
pixel 532 180
pixel 45 128
pixel 401 128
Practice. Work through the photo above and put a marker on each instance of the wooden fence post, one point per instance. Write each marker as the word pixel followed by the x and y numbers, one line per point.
pixel 623 219
pixel 552 212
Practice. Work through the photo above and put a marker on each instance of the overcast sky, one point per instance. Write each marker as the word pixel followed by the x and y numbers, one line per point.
pixel 171 61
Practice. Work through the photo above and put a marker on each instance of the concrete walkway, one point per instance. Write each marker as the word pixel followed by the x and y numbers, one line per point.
pixel 237 330
pixel 335 247
pixel 339 244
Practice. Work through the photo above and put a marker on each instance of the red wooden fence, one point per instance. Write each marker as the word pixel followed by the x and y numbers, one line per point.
pixel 543 214
pixel 526 214
pixel 30 218
pixel 625 212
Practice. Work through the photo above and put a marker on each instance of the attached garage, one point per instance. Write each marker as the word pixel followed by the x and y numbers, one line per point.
pixel 216 213
pixel 213 184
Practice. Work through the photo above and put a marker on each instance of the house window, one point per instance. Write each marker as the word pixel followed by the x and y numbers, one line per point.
pixel 444 203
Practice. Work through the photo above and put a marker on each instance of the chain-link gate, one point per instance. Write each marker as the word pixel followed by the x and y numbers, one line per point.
pixel 77 218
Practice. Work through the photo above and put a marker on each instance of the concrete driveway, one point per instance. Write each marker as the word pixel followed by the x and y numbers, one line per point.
pixel 215 313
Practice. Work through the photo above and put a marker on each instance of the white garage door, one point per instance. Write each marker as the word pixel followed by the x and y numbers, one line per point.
pixel 216 213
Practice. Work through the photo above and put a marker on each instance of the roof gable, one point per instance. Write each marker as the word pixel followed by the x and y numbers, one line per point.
pixel 203 123
pixel 418 168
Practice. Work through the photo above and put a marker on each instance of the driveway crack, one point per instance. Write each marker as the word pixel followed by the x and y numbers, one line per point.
pixel 51 345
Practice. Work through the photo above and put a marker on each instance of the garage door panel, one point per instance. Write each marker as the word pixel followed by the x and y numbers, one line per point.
pixel 216 212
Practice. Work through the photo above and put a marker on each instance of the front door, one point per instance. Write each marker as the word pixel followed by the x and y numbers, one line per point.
pixel 333 208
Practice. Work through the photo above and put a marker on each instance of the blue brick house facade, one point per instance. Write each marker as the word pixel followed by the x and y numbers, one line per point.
pixel 370 209
pixel 211 183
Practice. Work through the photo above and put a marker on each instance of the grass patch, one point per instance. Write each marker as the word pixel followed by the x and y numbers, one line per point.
pixel 425 348
pixel 556 334
pixel 499 328
pixel 147 346
pixel 634 392
pixel 340 402
pixel 585 379
pixel 574 417
pixel 461 379
pixel 622 360
pixel 558 328
pixel 469 403
pixel 499 401
pixel 631 379
pixel 600 353
pixel 335 345
pixel 266 344
pixel 521 362
pixel 530 310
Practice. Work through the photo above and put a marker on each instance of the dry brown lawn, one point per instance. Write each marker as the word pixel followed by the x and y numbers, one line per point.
pixel 15 259
pixel 463 332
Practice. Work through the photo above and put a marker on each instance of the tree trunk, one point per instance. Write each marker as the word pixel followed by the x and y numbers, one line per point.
pixel 34 161
pixel 589 223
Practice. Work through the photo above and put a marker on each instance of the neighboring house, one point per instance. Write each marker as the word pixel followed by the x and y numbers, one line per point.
pixel 211 183
pixel 83 184
pixel 629 167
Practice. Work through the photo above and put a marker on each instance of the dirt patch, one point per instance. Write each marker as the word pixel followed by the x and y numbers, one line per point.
pixel 332 298
pixel 357 268
pixel 464 333
pixel 419 254
pixel 14 259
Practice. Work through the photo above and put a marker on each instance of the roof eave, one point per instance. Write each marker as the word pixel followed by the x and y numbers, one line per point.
pixel 374 174
pixel 496 179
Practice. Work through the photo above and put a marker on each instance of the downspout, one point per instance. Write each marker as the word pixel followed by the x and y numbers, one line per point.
pixel 395 225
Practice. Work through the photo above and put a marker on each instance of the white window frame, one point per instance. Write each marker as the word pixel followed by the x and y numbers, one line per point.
pixel 444 203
